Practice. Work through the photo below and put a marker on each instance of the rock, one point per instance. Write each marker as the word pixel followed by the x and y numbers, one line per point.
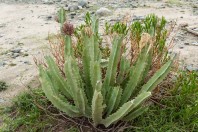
pixel 103 12
pixel 2 25
pixel 2 64
pixel 83 3
pixel 22 51
pixel 15 55
pixel 191 68
pixel 137 18
pixel 20 43
pixel 58 0
pixel 195 29
pixel 18 50
pixel 49 2
pixel 182 11
pixel 9 54
pixel 49 18
pixel 181 47
pixel 195 43
pixel 79 7
pixel 27 62
pixel 186 43
pixel 73 14
pixel 25 54
pixel 12 64
pixel 66 8
pixel 73 8
pixel 161 7
pixel 134 6
pixel 74 1
pixel 184 24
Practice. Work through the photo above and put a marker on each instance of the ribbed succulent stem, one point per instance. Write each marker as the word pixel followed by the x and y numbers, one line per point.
pixel 94 88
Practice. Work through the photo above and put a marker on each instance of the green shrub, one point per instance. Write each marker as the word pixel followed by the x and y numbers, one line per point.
pixel 106 94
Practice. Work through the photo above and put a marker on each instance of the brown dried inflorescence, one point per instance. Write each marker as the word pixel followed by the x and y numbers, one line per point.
pixel 88 31
pixel 68 28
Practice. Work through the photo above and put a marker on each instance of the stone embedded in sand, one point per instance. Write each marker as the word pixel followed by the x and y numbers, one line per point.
pixel 195 43
pixel 191 68
pixel 103 12
pixel 83 3
pixel 48 18
pixel 137 18
pixel 196 29
pixel 2 64
pixel 18 50
pixel 49 2
pixel 73 7
pixel 15 55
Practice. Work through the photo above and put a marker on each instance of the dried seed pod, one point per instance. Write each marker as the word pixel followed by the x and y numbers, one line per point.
pixel 68 28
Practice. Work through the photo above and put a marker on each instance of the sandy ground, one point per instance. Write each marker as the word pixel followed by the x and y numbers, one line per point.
pixel 26 26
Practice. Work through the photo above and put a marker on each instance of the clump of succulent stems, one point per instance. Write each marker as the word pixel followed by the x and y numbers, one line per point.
pixel 106 83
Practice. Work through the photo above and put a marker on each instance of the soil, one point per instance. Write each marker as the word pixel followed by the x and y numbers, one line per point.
pixel 25 26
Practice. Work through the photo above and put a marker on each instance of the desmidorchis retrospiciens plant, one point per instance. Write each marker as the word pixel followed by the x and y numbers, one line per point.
pixel 105 90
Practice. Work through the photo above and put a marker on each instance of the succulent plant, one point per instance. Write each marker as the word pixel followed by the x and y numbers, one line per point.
pixel 105 94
